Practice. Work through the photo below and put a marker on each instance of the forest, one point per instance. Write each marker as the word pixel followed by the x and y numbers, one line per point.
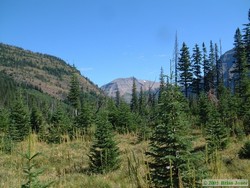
pixel 194 127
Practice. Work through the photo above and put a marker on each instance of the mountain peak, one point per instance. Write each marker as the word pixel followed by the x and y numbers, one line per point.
pixel 124 85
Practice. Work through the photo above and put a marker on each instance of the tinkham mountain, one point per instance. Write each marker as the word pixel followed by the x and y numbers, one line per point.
pixel 124 85
pixel 43 72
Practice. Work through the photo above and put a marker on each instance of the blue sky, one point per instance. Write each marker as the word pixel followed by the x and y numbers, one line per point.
pixel 109 39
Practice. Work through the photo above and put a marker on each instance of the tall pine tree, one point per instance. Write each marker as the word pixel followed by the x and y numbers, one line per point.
pixel 134 100
pixel 74 93
pixel 206 67
pixel 185 69
pixel 196 59
pixel 162 84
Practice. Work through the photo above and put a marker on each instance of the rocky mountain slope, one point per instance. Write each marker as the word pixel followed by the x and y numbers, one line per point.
pixel 47 73
pixel 227 60
pixel 124 85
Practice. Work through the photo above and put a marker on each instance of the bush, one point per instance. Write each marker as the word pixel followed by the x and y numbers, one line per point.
pixel 244 152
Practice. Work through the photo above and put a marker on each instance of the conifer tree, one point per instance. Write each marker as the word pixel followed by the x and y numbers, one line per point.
pixel 74 93
pixel 60 125
pixel 218 71
pixel 142 102
pixel 36 120
pixel 104 153
pixel 210 118
pixel 19 121
pixel 162 84
pixel 246 38
pixel 169 145
pixel 242 56
pixel 216 132
pixel 85 118
pixel 211 67
pixel 117 98
pixel 196 59
pixel 240 63
pixel 4 120
pixel 206 67
pixel 185 69
pixel 134 100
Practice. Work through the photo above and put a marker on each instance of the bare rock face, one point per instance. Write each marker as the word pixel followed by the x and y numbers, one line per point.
pixel 124 85
pixel 227 60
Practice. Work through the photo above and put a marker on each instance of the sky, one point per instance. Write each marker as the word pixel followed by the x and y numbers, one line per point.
pixel 109 39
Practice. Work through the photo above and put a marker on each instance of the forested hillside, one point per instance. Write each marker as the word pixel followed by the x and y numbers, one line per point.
pixel 195 128
pixel 44 72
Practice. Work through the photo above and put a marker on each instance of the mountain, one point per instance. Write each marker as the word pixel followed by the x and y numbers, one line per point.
pixel 124 85
pixel 46 73
pixel 227 60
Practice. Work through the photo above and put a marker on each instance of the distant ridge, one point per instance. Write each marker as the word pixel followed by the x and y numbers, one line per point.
pixel 124 85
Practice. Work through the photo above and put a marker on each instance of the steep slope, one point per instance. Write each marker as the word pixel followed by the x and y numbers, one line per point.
pixel 227 60
pixel 124 85
pixel 50 74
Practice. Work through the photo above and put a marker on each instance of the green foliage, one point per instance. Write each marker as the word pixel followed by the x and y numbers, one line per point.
pixel 162 84
pixel 169 145
pixel 7 144
pixel 74 92
pixel 36 120
pixel 185 69
pixel 58 126
pixel 244 152
pixel 121 118
pixel 7 90
pixel 196 60
pixel 30 172
pixel 134 100
pixel 4 120
pixel 216 131
pixel 104 153
pixel 19 121
pixel 85 118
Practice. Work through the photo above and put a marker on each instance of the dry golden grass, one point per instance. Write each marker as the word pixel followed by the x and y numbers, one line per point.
pixel 66 164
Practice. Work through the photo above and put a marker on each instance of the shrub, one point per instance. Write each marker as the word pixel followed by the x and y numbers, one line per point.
pixel 244 152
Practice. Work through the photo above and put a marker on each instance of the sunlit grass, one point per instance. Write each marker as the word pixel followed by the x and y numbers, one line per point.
pixel 66 164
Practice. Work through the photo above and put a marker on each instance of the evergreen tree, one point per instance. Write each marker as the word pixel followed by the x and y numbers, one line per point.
pixel 184 67
pixel 74 93
pixel 162 84
pixel 60 124
pixel 36 120
pixel 169 145
pixel 4 120
pixel 210 118
pixel 19 121
pixel 104 153
pixel 240 62
pixel 216 132
pixel 211 67
pixel 85 118
pixel 134 100
pixel 117 98
pixel 206 67
pixel 196 59
pixel 246 39
pixel 142 102
pixel 218 71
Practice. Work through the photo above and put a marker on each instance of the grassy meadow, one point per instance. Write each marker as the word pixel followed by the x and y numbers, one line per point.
pixel 66 164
